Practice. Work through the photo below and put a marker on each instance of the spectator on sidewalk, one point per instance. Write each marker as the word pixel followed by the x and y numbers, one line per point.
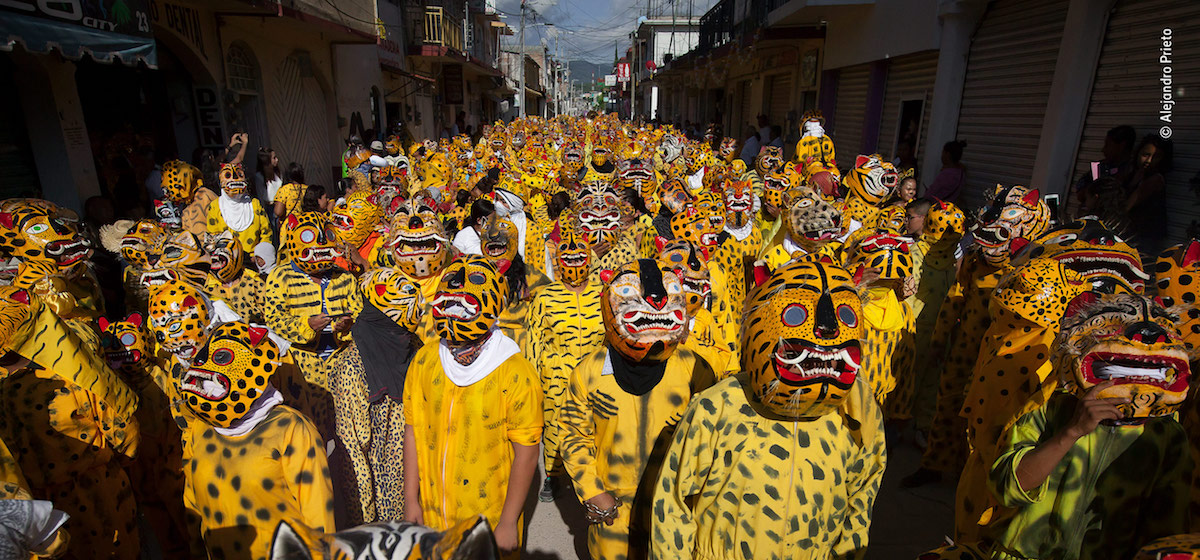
pixel 948 185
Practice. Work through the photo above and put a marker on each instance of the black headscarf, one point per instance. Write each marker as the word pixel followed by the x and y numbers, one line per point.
pixel 636 378
pixel 386 350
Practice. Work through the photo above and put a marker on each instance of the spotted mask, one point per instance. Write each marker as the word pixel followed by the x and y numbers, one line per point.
pixel 573 260
pixel 311 242
pixel 179 317
pixel 1013 213
pixel 1093 251
pixel 690 265
pixel 355 218
pixel 233 180
pixel 231 370
pixel 227 258
pixel 469 300
pixel 417 239
pixel 644 310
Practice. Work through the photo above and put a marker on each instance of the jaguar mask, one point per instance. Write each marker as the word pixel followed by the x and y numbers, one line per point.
pixel 499 241
pixel 1014 212
pixel 142 237
pixel 573 261
pixel 872 180
pixel 311 242
pixel 690 265
pixel 355 218
pixel 233 180
pixel 395 294
pixel 231 369
pixel 179 317
pixel 801 336
pixel 469 300
pixel 180 181
pixel 811 221
pixel 1089 248
pixel 226 258
pixel 739 202
pixel 36 230
pixel 125 345
pixel 417 239
pixel 181 257
pixel 1132 341
pixel 599 217
pixel 644 310
pixel 770 158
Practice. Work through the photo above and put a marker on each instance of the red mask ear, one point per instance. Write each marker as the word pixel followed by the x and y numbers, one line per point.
pixel 135 318
pixel 858 274
pixel 189 301
pixel 704 251
pixel 1017 244
pixel 292 221
pixel 660 242
pixel 1160 302
pixel 1031 198
pixel 607 274
pixel 502 265
pixel 761 274
pixel 21 296
pixel 256 334
pixel 1192 255
pixel 6 220
pixel 103 322
pixel 861 161
pixel 380 289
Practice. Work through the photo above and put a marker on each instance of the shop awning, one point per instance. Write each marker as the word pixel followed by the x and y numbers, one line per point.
pixel 119 31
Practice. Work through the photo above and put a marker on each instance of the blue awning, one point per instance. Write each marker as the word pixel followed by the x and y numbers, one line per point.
pixel 107 30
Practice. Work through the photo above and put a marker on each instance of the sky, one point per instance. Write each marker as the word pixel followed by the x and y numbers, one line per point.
pixel 586 29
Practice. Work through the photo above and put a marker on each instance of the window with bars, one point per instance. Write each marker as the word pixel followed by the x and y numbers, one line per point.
pixel 241 70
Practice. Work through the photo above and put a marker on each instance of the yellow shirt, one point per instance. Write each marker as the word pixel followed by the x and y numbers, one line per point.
pixel 291 195
pixel 707 341
pixel 610 435
pixel 276 472
pixel 464 435
pixel 258 231
pixel 736 484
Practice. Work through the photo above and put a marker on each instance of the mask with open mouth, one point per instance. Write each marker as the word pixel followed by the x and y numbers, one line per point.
pixel 599 216
pixel 1013 213
pixel 777 183
pixel 180 181
pixel 309 239
pixel 499 241
pixel 179 317
pixel 872 180
pixel 888 253
pixel 233 180
pixel 231 369
pixel 142 236
pixel 670 148
pixel 693 225
pixel 1131 340
pixel 417 239
pixel 469 299
pixel 739 201
pixel 770 158
pixel 811 221
pixel 690 265
pixel 393 146
pixel 644 310
pixel 1097 254
pixel 180 257
pixel 728 150
pixel 36 230
pixel 355 218
pixel 712 207
pixel 891 220
pixel 395 295
pixel 573 261
pixel 226 257
pixel 801 339
pixel 673 194
pixel 824 178
pixel 393 182
pixel 573 152
pixel 125 344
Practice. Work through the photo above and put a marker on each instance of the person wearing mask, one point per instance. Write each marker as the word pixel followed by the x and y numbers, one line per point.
pixel 948 185
pixel 467 241
pixel 264 257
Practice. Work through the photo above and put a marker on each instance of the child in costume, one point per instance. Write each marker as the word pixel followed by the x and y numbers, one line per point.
pixel 784 460
pixel 250 460
pixel 705 338
pixel 69 421
pixel 1103 468
pixel 564 327
pixel 887 319
pixel 473 412
pixel 624 399
pixel 237 211
pixel 230 281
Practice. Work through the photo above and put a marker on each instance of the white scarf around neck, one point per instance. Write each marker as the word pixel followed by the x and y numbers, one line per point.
pixel 255 416
pixel 496 350
pixel 238 214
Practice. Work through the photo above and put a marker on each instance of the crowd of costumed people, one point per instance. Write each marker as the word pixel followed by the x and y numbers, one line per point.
pixel 711 350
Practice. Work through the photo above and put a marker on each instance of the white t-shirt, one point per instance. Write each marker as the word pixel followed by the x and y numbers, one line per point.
pixel 467 242
pixel 273 187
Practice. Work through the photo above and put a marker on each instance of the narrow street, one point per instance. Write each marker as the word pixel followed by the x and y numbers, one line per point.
pixel 906 522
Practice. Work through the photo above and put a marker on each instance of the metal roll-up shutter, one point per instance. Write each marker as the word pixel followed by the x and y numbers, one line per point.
pixel 1010 67
pixel 746 118
pixel 851 105
pixel 909 78
pixel 779 100
pixel 1127 91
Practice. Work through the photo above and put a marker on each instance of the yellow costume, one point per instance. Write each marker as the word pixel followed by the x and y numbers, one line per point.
pixel 870 183
pixel 250 230
pixel 230 281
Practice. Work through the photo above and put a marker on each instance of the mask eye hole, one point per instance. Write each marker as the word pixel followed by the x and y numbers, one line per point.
pixel 128 339
pixel 794 315
pixel 308 236
pixel 222 357
pixel 477 278
pixel 847 316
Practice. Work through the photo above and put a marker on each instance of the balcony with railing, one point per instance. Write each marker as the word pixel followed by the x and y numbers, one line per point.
pixel 443 27
pixel 716 26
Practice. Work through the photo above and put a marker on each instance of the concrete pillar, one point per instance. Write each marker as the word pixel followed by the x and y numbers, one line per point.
pixel 959 19
pixel 1066 108
pixel 62 150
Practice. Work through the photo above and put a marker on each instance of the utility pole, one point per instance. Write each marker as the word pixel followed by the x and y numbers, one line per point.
pixel 633 76
pixel 521 66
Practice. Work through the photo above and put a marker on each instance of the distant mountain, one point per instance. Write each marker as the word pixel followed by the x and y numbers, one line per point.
pixel 582 70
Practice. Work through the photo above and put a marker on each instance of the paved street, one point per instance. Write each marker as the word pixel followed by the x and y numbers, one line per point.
pixel 906 522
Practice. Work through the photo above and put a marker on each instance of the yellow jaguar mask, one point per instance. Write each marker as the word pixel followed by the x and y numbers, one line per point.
pixel 888 253
pixel 469 300
pixel 599 217
pixel 395 295
pixel 770 158
pixel 34 230
pixel 231 370
pixel 673 194
pixel 645 314
pixel 499 241
pixel 572 152
pixel 233 180
pixel 227 258
pixel 728 150
pixel 179 317
pixel 393 183
pixel 179 257
pixel 811 221
pixel 1014 212
pixel 573 260
pixel 1176 273
pixel 892 220
pixel 1089 248
pixel 824 178
pixel 712 207
pixel 1040 291
pixel 310 240
pixel 945 222
pixel 692 225
pixel 801 338
pixel 124 342
pixel 777 183
pixel 393 146
pixel 142 237
pixel 739 202
pixel 356 218
pixel 1131 340
pixel 872 179
pixel 689 264
pixel 417 239
pixel 180 181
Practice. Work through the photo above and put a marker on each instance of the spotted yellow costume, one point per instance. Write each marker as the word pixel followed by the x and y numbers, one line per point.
pixel 233 185
pixel 68 419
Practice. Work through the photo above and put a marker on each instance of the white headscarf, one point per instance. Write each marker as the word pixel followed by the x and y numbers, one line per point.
pixel 266 252
pixel 496 349
pixel 238 214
